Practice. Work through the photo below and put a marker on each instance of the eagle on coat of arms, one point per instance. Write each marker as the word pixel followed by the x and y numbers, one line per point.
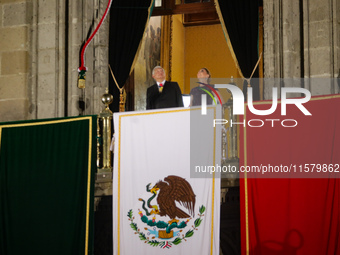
pixel 172 190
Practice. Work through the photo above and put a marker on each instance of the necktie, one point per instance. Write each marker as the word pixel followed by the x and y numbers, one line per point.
pixel 160 87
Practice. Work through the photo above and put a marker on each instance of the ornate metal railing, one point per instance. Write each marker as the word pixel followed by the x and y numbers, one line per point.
pixel 230 139
pixel 104 136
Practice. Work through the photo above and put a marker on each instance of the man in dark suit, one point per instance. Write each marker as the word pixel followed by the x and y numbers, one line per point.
pixel 163 94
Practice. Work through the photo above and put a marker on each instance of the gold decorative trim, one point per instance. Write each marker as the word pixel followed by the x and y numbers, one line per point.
pixel 213 191
pixel 88 188
pixel 315 98
pixel 170 47
pixel 89 161
pixel 0 137
pixel 324 97
pixel 246 184
pixel 166 44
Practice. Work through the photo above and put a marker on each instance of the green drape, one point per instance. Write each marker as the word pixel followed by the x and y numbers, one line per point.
pixel 46 186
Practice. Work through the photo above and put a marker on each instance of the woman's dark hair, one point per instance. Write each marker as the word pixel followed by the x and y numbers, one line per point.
pixel 208 72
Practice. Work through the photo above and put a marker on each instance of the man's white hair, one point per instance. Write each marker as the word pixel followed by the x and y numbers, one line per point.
pixel 157 67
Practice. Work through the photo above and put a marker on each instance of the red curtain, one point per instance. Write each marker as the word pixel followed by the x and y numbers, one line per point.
pixel 293 212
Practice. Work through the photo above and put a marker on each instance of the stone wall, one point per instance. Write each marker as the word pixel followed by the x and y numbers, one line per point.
pixel 301 40
pixel 40 42
pixel 15 59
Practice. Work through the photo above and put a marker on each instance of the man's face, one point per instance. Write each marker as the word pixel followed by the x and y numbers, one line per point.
pixel 159 75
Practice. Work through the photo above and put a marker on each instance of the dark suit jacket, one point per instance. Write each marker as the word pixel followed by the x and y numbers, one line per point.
pixel 171 96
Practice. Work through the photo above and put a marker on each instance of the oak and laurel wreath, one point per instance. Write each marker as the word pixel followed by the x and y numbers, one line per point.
pixel 177 240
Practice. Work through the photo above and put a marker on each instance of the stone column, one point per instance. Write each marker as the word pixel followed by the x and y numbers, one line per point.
pixel 301 40
pixel 321 47
pixel 84 15
pixel 15 20
pixel 47 48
